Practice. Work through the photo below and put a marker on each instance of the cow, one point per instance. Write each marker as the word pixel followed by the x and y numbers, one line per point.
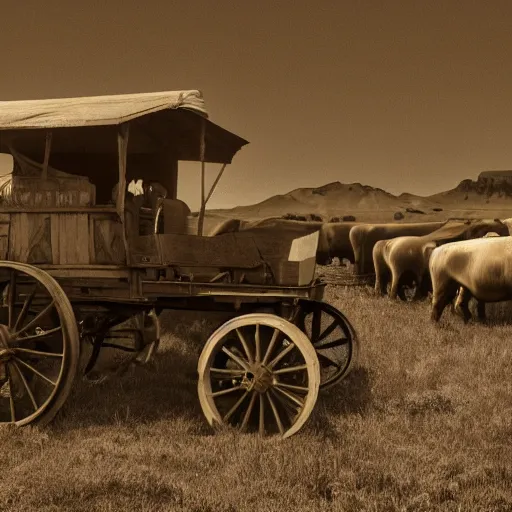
pixel 365 236
pixel 405 259
pixel 482 267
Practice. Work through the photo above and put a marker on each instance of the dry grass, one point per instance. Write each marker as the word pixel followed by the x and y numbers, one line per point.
pixel 424 424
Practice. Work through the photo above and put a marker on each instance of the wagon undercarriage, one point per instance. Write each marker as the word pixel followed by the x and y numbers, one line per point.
pixel 280 346
pixel 84 258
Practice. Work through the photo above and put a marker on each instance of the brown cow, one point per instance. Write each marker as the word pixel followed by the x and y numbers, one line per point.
pixel 405 259
pixel 364 237
pixel 483 267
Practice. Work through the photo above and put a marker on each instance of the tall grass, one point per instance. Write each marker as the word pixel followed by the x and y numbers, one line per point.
pixel 424 423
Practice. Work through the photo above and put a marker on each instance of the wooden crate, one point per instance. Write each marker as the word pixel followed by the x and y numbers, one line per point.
pixel 293 273
pixel 298 269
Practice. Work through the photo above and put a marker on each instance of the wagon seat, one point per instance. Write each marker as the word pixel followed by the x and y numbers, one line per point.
pixel 147 205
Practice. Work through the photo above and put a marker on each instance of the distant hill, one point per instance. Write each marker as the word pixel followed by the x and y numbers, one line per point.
pixel 488 195
pixel 492 188
pixel 331 200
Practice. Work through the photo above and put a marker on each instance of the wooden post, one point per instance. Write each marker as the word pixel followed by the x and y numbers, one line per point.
pixel 122 145
pixel 122 153
pixel 47 150
pixel 202 153
pixel 215 183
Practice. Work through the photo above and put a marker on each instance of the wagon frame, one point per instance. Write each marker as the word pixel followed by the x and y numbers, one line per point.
pixel 83 258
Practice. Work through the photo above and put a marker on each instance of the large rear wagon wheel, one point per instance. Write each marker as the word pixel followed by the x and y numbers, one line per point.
pixel 39 345
pixel 333 338
pixel 258 372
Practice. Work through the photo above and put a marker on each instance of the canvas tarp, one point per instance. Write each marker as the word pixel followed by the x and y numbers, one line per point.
pixel 94 110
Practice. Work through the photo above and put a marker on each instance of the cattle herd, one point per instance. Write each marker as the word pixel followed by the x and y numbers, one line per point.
pixel 454 260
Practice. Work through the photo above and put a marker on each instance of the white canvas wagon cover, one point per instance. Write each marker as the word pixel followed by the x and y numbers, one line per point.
pixel 94 110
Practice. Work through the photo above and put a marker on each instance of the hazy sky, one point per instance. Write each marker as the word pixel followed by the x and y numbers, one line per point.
pixel 407 96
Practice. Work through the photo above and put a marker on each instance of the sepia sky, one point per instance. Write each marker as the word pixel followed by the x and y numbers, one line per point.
pixel 404 95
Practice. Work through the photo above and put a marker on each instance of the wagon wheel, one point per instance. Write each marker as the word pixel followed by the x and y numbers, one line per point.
pixel 39 345
pixel 258 372
pixel 139 334
pixel 333 337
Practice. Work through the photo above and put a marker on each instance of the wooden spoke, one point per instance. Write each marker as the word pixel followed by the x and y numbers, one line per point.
pixel 43 335
pixel 332 344
pixel 36 319
pixel 292 387
pixel 329 330
pixel 316 325
pixel 225 391
pixel 227 371
pixel 247 414
pixel 290 369
pixel 261 427
pixel 12 405
pixel 236 406
pixel 25 384
pixel 276 414
pixel 326 361
pixel 281 354
pixel 11 297
pixel 245 345
pixel 294 398
pixel 257 342
pixel 297 313
pixel 37 352
pixel 300 320
pixel 270 346
pixel 25 308
pixel 287 405
pixel 36 372
pixel 243 364
pixel 344 349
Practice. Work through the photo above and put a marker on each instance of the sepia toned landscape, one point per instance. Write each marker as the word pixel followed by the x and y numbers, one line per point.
pixel 424 423
pixel 489 196
pixel 256 256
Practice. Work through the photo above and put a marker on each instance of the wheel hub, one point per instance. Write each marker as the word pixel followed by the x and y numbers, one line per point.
pixel 259 379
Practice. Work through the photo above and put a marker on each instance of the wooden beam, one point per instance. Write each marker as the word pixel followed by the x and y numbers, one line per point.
pixel 47 150
pixel 215 183
pixel 122 146
pixel 122 150
pixel 202 156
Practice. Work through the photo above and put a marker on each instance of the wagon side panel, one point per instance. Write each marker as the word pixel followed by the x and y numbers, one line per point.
pixel 73 239
pixel 30 238
pixel 106 240
pixel 5 222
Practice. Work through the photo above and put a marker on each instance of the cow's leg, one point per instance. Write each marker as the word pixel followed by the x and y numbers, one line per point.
pixel 381 284
pixel 381 269
pixel 395 283
pixel 403 280
pixel 443 294
pixel 456 303
pixel 462 304
pixel 424 287
pixel 480 310
pixel 401 292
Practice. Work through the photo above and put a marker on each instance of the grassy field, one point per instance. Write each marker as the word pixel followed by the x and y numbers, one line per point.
pixel 425 423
